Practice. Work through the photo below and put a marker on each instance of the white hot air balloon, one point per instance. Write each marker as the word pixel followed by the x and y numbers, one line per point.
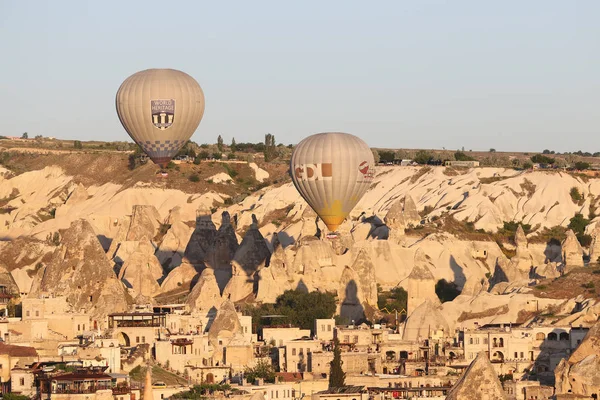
pixel 160 109
pixel 332 171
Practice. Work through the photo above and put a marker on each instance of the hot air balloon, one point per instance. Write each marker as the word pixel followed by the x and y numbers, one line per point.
pixel 332 171
pixel 160 109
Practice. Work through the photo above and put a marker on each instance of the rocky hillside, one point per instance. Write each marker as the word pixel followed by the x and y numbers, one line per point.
pixel 413 228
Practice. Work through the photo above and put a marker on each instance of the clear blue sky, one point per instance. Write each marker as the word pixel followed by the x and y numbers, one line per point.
pixel 513 75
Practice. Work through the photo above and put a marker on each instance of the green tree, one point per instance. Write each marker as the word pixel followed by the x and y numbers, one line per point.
pixel 135 158
pixel 220 143
pixel 392 300
pixel 25 135
pixel 542 159
pixel 386 156
pixel 422 157
pixel 460 156
pixel 12 396
pixel 217 155
pixel 337 376
pixel 233 146
pixel 263 369
pixel 269 150
pixel 203 155
pixel 582 166
pixel 77 144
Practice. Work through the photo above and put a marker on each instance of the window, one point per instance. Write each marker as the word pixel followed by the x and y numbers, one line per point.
pixel 37 313
pixel 355 338
pixel 322 327
pixel 328 328
pixel 501 342
pixel 301 352
pixel 540 336
pixel 552 336
pixel 293 352
pixel 137 339
pixel 22 381
pixel 522 356
pixel 143 339
pixel 78 327
pixel 485 341
pixel 476 340
pixel 516 355
pixel 245 329
pixel 346 338
pixel 470 340
pixel 84 327
pixel 27 313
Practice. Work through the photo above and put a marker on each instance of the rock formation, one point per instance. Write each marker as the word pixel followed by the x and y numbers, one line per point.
pixel 80 271
pixel 175 241
pixel 365 272
pixel 572 252
pixel 420 283
pixel 141 272
pixel 252 255
pixel 411 214
pixel 580 374
pixel 423 321
pixel 202 239
pixel 145 223
pixel 401 215
pixel 595 247
pixel 522 260
pixel 310 226
pixel 225 246
pixel 205 294
pixel 276 278
pixel 78 195
pixel 479 381
pixel 224 327
pixel 180 276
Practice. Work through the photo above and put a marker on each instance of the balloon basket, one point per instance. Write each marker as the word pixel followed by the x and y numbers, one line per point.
pixel 162 174
pixel 333 235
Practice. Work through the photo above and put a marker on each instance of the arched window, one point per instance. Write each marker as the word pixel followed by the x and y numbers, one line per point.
pixel 552 336
pixel 501 342
pixel 540 336
pixel 470 340
pixel 563 336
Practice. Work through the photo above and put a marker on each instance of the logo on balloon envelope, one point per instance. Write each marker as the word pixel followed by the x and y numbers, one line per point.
pixel 366 171
pixel 313 172
pixel 163 113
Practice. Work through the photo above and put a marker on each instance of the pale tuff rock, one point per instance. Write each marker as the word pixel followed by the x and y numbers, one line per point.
pixel 225 247
pixel 179 276
pixel 507 271
pixel 420 283
pixel 351 296
pixel 253 251
pixel 225 325
pixel 221 177
pixel 401 215
pixel 252 255
pixel 260 174
pixel 362 231
pixel 141 272
pixel 20 258
pixel 365 272
pixel 310 224
pixel 127 248
pixel 546 271
pixel 571 251
pixel 122 227
pixel 78 195
pixel 80 271
pixel 580 374
pixel 202 239
pixel 411 214
pixel 145 222
pixel 595 247
pixel 274 279
pixel 6 279
pixel 175 241
pixel 479 381
pixel 523 260
pixel 425 320
pixel 205 294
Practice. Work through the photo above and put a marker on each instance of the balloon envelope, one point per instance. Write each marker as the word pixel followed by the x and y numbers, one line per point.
pixel 332 171
pixel 160 109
